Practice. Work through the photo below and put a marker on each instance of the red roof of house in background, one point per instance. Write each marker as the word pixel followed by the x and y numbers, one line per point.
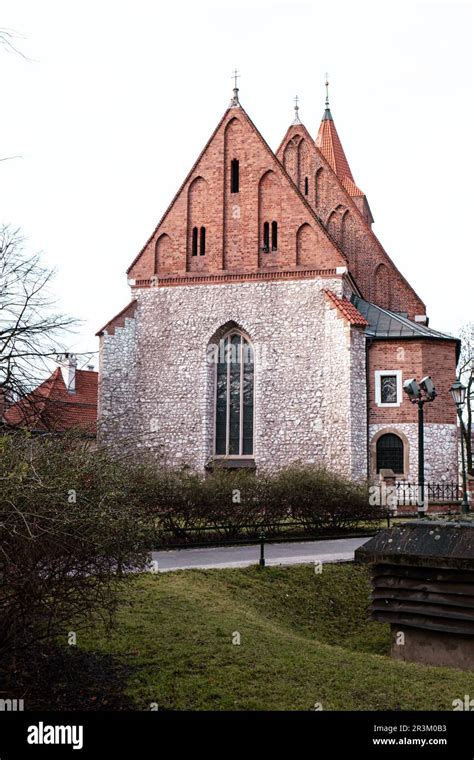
pixel 51 408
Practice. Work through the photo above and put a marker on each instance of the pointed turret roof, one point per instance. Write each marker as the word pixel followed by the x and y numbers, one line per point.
pixel 330 146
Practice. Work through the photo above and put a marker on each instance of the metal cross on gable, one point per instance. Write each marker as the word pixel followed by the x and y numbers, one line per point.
pixel 296 120
pixel 234 103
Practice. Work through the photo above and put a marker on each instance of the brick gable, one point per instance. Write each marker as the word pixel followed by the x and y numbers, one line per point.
pixel 234 221
pixel 343 209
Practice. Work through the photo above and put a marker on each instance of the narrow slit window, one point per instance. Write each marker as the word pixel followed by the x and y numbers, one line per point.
pixel 266 237
pixel 317 186
pixel 202 242
pixel 274 236
pixel 234 176
pixel 195 241
pixel 306 186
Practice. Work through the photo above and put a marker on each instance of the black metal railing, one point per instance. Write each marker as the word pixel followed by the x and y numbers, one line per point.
pixel 276 532
pixel 408 494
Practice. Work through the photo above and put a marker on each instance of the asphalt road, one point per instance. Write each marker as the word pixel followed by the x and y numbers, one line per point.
pixel 291 553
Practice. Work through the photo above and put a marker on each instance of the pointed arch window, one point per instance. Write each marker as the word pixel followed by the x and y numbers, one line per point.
pixel 274 236
pixel 194 250
pixel 202 242
pixel 234 405
pixel 234 176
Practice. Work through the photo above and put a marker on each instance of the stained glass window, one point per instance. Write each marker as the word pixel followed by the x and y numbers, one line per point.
pixel 388 389
pixel 234 396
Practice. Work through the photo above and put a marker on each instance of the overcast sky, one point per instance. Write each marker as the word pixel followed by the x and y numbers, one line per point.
pixel 118 98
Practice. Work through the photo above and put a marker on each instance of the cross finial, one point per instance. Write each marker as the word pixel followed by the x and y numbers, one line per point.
pixel 235 100
pixel 327 90
pixel 296 120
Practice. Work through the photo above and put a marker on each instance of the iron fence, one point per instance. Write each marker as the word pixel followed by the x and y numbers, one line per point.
pixel 409 494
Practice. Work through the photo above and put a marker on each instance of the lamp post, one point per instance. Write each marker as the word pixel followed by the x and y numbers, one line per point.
pixel 458 394
pixel 420 394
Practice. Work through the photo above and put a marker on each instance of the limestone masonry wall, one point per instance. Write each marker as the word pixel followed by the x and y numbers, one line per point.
pixel 157 385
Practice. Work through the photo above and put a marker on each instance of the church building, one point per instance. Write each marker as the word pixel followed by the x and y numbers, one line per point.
pixel 268 326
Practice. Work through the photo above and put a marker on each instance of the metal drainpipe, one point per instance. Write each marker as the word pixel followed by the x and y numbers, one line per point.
pixel 368 343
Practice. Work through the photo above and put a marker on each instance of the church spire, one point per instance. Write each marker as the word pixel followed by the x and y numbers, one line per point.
pixel 330 145
pixel 327 113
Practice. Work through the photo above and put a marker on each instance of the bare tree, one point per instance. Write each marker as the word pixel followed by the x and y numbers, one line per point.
pixel 30 327
pixel 8 38
pixel 466 375
pixel 7 43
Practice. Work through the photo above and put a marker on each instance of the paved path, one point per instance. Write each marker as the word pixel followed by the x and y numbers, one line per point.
pixel 290 553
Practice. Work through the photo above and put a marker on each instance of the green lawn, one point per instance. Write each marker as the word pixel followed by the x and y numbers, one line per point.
pixel 304 638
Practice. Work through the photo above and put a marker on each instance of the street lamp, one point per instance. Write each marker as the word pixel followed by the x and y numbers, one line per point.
pixel 458 394
pixel 419 394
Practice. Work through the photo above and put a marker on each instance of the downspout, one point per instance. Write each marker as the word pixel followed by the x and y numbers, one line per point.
pixel 368 343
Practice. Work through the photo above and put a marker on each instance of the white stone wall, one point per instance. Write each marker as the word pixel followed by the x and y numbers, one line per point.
pixel 441 443
pixel 157 388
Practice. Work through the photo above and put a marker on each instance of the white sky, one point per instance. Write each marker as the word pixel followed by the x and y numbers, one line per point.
pixel 119 98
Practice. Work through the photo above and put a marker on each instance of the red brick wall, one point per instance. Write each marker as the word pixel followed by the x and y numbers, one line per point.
pixel 234 221
pixel 416 358
pixel 376 276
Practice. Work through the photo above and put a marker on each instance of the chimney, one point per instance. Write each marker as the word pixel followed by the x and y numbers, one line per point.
pixel 68 364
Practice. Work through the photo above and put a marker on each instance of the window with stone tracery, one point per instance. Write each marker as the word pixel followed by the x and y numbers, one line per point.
pixel 234 400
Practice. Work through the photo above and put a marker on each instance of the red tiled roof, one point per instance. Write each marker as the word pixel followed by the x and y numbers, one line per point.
pixel 50 406
pixel 350 186
pixel 330 146
pixel 347 309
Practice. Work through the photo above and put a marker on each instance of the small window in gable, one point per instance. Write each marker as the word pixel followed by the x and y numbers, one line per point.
pixel 274 236
pixel 266 237
pixel 234 176
pixel 306 185
pixel 195 242
pixel 202 242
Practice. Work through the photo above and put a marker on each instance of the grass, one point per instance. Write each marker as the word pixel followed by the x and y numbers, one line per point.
pixel 304 639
